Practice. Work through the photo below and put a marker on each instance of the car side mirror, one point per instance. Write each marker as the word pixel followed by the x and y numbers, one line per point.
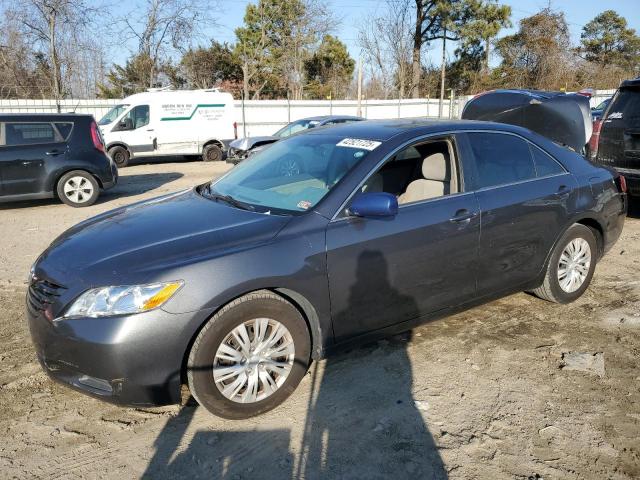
pixel 126 124
pixel 375 204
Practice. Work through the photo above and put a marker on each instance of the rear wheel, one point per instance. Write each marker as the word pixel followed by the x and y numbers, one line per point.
pixel 119 155
pixel 249 357
pixel 212 153
pixel 571 266
pixel 78 189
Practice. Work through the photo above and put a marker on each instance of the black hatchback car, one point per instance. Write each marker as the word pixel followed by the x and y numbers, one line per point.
pixel 53 155
pixel 616 137
pixel 234 286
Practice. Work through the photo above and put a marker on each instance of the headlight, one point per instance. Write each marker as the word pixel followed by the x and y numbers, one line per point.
pixel 109 301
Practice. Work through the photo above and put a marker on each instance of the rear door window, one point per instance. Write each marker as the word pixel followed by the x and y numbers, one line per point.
pixel 64 129
pixel 545 164
pixel 500 159
pixel 30 133
pixel 626 107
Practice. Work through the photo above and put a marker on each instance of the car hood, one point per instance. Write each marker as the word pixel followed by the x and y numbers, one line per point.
pixel 248 142
pixel 137 242
pixel 562 118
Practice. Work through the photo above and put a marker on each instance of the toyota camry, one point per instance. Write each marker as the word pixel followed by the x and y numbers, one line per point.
pixel 233 287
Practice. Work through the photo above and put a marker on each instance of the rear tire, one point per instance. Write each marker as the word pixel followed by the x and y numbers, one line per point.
pixel 570 267
pixel 78 188
pixel 212 153
pixel 119 155
pixel 217 358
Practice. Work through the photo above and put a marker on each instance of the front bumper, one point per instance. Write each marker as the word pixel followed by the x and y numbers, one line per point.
pixel 133 360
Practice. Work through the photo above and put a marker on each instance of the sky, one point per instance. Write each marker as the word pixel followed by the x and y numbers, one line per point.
pixel 352 12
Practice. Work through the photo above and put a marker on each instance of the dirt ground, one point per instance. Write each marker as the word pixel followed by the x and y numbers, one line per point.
pixel 517 388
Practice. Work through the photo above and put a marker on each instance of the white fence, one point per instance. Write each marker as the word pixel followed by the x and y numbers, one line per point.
pixel 264 117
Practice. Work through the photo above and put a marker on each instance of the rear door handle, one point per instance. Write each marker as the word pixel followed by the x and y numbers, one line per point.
pixel 463 215
pixel 563 191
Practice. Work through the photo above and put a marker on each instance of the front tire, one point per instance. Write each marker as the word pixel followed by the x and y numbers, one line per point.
pixel 212 153
pixel 249 357
pixel 570 267
pixel 78 188
pixel 120 156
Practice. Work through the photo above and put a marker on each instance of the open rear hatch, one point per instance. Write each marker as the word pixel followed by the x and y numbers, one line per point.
pixel 564 118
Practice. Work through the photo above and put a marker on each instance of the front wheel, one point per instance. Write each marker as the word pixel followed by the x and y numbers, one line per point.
pixel 78 188
pixel 571 266
pixel 119 155
pixel 249 357
pixel 212 153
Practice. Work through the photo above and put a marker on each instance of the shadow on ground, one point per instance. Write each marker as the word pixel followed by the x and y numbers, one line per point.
pixel 361 420
pixel 130 185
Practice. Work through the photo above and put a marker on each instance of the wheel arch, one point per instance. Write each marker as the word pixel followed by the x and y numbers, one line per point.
pixel 119 144
pixel 299 302
pixel 213 141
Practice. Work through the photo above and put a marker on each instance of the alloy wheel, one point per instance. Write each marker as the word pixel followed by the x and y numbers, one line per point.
pixel 78 189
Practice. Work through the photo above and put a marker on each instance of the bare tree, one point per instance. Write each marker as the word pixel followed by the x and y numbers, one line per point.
pixel 387 45
pixel 58 27
pixel 163 27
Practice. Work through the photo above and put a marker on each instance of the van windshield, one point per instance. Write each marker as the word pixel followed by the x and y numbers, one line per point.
pixel 291 176
pixel 113 114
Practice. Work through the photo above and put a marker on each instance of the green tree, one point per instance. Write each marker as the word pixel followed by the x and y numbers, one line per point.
pixel 214 66
pixel 329 70
pixel 274 43
pixel 538 55
pixel 489 18
pixel 607 40
pixel 133 77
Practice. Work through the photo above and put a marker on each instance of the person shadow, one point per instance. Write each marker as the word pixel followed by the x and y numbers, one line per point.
pixel 361 420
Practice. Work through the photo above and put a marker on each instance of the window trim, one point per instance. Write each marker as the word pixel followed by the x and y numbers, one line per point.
pixel 450 134
pixel 56 133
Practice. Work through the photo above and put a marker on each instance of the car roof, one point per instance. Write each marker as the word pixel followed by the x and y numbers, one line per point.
pixel 42 116
pixel 383 130
pixel 631 83
pixel 322 118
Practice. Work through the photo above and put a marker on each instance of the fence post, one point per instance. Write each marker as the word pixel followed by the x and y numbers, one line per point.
pixel 288 108
pixel 244 123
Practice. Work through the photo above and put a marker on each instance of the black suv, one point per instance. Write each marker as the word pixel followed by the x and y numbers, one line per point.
pixel 49 155
pixel 616 139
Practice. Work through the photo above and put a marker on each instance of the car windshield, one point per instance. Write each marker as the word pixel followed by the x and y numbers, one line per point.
pixel 602 105
pixel 295 127
pixel 291 176
pixel 113 114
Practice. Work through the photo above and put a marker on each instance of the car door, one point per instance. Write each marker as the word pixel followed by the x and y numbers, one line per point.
pixel 384 271
pixel 28 147
pixel 524 197
pixel 135 131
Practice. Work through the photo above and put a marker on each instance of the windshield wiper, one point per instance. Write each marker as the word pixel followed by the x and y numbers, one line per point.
pixel 228 199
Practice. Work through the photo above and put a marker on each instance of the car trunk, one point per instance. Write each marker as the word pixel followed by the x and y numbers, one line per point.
pixel 562 118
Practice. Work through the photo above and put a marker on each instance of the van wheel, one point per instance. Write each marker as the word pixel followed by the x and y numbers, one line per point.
pixel 571 266
pixel 249 357
pixel 211 153
pixel 119 155
pixel 78 188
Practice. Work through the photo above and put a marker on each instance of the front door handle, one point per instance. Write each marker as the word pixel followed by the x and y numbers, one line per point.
pixel 463 215
pixel 53 153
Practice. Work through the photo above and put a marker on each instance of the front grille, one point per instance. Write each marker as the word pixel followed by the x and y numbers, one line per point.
pixel 41 294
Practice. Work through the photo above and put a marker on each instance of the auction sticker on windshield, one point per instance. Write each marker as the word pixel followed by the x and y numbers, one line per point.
pixel 359 143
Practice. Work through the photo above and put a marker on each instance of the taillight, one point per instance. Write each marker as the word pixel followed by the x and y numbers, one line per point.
pixel 621 182
pixel 595 138
pixel 95 136
pixel 235 130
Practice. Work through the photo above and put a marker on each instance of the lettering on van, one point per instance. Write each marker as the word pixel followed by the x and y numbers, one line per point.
pixel 186 111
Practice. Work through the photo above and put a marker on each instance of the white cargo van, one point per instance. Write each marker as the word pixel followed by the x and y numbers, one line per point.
pixel 170 122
